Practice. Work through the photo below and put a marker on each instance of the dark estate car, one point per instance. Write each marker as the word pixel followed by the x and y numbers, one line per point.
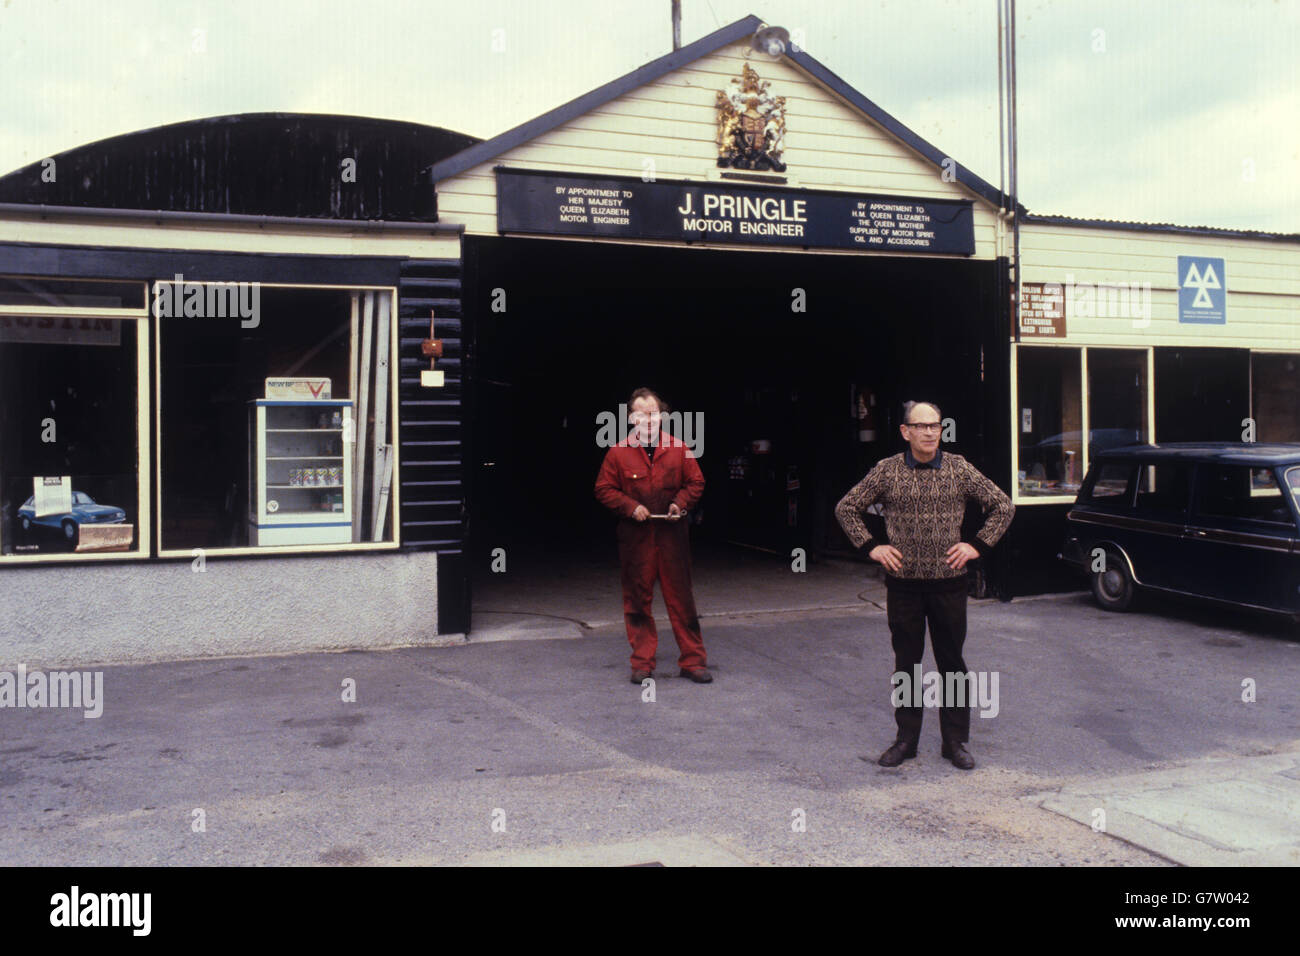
pixel 1213 520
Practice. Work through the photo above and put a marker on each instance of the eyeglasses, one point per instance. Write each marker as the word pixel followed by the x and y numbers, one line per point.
pixel 925 426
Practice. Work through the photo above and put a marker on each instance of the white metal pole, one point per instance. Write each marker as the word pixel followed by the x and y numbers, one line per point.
pixel 359 432
pixel 383 318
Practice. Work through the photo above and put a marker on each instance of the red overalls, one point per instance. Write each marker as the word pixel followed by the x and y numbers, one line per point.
pixel 654 549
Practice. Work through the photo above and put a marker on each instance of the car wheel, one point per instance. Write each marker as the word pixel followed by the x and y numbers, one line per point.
pixel 70 530
pixel 1113 588
pixel 26 523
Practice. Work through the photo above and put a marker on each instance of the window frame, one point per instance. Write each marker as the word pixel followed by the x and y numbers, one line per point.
pixel 80 311
pixel 394 398
pixel 1085 416
pixel 1250 377
pixel 144 491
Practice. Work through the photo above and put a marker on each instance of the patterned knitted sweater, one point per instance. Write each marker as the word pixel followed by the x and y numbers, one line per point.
pixel 923 513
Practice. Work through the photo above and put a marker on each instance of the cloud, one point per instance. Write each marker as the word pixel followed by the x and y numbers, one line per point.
pixel 1235 164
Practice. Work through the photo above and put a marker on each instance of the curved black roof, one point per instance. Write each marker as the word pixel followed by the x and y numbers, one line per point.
pixel 1235 453
pixel 264 164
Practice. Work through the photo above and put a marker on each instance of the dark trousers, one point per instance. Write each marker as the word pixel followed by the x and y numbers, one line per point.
pixel 908 612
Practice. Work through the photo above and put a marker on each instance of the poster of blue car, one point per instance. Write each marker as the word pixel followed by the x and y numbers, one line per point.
pixel 84 511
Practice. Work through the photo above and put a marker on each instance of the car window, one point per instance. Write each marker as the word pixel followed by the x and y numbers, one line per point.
pixel 1163 488
pixel 1293 481
pixel 81 498
pixel 1263 482
pixel 1111 484
pixel 1230 491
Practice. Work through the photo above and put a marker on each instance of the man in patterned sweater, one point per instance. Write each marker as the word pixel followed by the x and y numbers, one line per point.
pixel 924 493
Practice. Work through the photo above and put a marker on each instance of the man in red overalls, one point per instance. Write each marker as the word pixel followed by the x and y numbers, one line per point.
pixel 652 473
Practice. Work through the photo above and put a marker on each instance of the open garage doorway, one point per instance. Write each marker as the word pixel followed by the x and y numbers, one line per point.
pixel 772 356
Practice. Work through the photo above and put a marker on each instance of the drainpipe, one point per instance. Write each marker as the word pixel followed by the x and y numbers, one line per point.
pixel 1013 153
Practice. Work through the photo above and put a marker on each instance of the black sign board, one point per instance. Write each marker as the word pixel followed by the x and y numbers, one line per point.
pixel 620 207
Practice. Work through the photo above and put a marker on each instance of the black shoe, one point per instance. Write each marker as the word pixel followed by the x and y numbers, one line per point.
pixel 959 755
pixel 639 676
pixel 898 751
pixel 700 675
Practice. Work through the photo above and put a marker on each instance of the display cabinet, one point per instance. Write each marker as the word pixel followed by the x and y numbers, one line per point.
pixel 300 482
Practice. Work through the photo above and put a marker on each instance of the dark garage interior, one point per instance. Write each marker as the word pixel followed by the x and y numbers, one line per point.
pixel 563 331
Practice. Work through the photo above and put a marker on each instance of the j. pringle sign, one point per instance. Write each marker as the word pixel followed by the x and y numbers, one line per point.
pixel 619 207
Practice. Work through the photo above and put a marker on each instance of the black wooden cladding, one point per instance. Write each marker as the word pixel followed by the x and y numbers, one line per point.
pixel 433 477
pixel 263 164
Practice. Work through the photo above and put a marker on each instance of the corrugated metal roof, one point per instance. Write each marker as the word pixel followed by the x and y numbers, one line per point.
pixel 1134 226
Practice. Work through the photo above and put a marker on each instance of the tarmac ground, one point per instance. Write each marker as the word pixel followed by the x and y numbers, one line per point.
pixel 1117 740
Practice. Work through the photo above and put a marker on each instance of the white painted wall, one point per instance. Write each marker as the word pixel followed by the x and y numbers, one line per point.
pixel 1263 284
pixel 132 612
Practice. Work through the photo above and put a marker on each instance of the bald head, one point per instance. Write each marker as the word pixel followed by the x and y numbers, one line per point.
pixel 909 410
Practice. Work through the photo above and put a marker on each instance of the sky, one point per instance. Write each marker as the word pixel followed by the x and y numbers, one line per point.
pixel 1184 111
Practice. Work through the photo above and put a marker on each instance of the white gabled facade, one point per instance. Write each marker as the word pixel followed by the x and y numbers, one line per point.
pixel 669 127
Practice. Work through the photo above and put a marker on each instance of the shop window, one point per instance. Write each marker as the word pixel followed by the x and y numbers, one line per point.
pixel 1049 422
pixel 1052 398
pixel 1117 398
pixel 277 429
pixel 1201 394
pixel 1275 397
pixel 71 427
pixel 1240 492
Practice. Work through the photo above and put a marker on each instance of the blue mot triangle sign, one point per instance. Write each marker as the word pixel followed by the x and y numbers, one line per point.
pixel 1202 290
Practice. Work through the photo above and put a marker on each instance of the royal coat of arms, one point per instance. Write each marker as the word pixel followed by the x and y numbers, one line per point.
pixel 751 125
